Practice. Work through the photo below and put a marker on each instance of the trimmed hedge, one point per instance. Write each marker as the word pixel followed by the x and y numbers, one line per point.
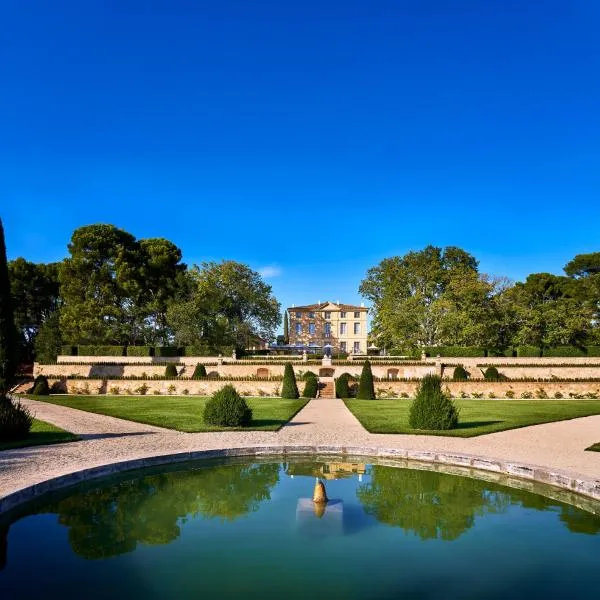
pixel 166 351
pixel 101 350
pixel 593 350
pixel 342 389
pixel 460 374
pixel 564 351
pixel 140 350
pixel 432 409
pixel 311 387
pixel 68 350
pixel 366 389
pixel 529 351
pixel 40 386
pixel 456 351
pixel 171 370
pixel 199 371
pixel 492 374
pixel 226 408
pixel 289 389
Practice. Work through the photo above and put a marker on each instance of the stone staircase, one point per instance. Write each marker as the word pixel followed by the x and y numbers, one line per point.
pixel 326 389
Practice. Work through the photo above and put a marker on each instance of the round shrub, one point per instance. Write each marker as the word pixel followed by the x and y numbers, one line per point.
pixel 289 389
pixel 171 370
pixel 342 389
pixel 226 408
pixel 309 375
pixel 431 408
pixel 15 421
pixel 311 387
pixel 491 374
pixel 199 371
pixel 40 386
pixel 460 374
pixel 366 389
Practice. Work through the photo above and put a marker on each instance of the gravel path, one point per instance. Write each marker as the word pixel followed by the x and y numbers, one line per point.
pixel 555 447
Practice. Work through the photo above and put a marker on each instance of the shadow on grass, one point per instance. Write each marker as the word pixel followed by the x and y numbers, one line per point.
pixel 40 438
pixel 473 424
pixel 278 423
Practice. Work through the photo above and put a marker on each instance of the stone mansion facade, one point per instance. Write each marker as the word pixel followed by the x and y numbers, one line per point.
pixel 329 326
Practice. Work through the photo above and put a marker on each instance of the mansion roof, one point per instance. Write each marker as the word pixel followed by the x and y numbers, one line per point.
pixel 329 306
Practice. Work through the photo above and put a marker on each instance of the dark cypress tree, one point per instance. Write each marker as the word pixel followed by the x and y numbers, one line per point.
pixel 8 337
pixel 289 389
pixel 460 374
pixel 286 328
pixel 342 389
pixel 366 389
pixel 199 371
pixel 311 387
pixel 171 370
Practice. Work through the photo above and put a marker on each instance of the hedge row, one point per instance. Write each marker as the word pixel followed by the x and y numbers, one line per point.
pixel 159 351
pixel 520 351
pixel 165 378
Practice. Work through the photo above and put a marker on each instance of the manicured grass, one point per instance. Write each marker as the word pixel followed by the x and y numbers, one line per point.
pixel 477 417
pixel 595 447
pixel 183 413
pixel 41 433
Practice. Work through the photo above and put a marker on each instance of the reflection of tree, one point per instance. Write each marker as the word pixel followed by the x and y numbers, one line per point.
pixel 579 521
pixel 112 520
pixel 431 505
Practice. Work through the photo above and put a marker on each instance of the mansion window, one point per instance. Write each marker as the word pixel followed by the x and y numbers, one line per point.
pixel 343 329
pixel 311 328
pixel 311 315
pixel 356 328
pixel 356 347
pixel 343 314
pixel 357 314
pixel 327 330
pixel 327 315
pixel 343 346
pixel 298 328
pixel 298 315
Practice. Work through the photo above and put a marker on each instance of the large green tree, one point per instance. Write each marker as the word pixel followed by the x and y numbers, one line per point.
pixel 8 345
pixel 35 295
pixel 227 305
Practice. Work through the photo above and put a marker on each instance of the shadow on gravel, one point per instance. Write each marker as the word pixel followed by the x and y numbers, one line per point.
pixel 106 436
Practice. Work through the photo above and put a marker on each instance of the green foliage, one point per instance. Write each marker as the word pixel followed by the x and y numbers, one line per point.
pixel 289 388
pixel 311 387
pixel 8 334
pixel 366 389
pixel 140 351
pixel 40 386
pixel 309 375
pixel 432 408
pixel 593 350
pixel 492 374
pixel 170 370
pixel 199 371
pixel 286 328
pixel 90 350
pixel 48 340
pixel 67 350
pixel 15 420
pixel 342 389
pixel 227 408
pixel 456 351
pixel 166 351
pixel 460 374
pixel 565 351
pixel 529 351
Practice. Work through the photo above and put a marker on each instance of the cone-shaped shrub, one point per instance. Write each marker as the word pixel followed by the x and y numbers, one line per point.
pixel 431 408
pixel 226 408
pixel 15 421
pixel 311 387
pixel 460 374
pixel 199 371
pixel 171 370
pixel 289 389
pixel 40 386
pixel 366 390
pixel 309 375
pixel 342 389
pixel 491 374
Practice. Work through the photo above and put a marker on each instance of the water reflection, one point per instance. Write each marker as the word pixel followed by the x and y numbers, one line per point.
pixel 326 470
pixel 112 520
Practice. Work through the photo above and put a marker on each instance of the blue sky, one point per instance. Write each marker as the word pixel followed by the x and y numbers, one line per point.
pixel 312 138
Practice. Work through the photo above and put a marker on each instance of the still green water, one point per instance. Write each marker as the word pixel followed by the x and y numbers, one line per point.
pixel 250 530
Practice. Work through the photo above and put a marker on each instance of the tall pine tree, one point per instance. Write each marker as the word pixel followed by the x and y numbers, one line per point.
pixel 8 350
pixel 286 328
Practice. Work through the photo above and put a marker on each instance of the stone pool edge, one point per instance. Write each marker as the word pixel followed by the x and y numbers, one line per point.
pixel 502 471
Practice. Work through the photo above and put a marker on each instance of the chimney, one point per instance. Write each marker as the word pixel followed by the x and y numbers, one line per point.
pixel 338 302
pixel 293 305
pixel 362 304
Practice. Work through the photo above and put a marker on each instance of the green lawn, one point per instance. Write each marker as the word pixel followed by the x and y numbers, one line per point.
pixel 595 447
pixel 183 413
pixel 41 433
pixel 477 417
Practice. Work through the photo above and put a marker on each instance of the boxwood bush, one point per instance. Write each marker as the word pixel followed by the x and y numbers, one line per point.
pixel 342 389
pixel 170 370
pixel 311 387
pixel 492 374
pixel 565 351
pixel 432 408
pixel 289 388
pixel 460 374
pixel 366 389
pixel 40 386
pixel 456 351
pixel 166 351
pixel 529 351
pixel 101 350
pixel 140 351
pixel 199 371
pixel 226 408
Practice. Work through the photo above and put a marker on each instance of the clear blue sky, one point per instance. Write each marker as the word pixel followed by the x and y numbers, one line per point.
pixel 313 138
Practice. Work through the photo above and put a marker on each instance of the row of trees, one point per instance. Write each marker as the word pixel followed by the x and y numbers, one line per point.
pixel 438 297
pixel 116 289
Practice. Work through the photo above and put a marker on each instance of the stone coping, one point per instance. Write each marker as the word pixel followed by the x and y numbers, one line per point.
pixel 563 486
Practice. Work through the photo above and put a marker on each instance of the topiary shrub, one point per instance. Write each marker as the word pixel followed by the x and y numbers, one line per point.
pixel 366 390
pixel 309 375
pixel 311 387
pixel 15 421
pixel 40 386
pixel 492 374
pixel 226 408
pixel 199 371
pixel 460 374
pixel 170 370
pixel 342 389
pixel 432 408
pixel 289 389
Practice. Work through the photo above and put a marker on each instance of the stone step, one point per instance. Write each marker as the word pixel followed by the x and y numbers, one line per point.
pixel 327 390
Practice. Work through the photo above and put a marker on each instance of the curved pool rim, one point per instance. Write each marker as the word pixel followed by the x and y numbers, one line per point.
pixel 566 487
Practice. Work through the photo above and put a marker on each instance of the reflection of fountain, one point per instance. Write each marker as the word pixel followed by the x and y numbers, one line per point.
pixel 330 513
pixel 327 471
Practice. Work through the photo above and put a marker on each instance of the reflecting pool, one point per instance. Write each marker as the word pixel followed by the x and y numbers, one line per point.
pixel 250 530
